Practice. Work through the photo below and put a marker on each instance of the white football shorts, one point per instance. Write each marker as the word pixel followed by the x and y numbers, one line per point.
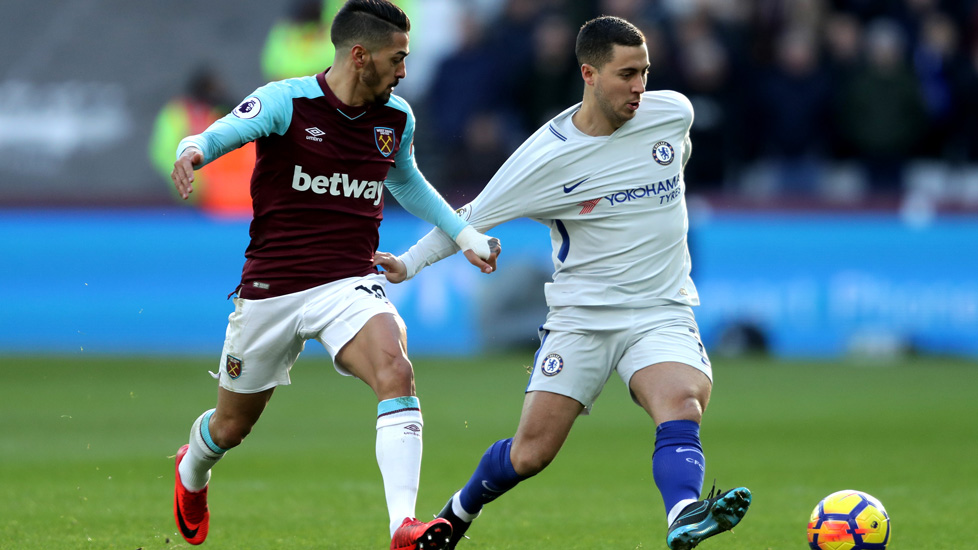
pixel 580 346
pixel 264 337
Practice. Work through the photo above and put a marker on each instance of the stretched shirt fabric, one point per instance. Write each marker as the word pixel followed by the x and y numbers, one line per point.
pixel 318 186
pixel 615 206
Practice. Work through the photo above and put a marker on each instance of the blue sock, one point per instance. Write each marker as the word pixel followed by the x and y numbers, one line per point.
pixel 492 477
pixel 678 464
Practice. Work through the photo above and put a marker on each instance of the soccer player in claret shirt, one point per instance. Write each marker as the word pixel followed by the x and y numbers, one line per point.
pixel 326 146
pixel 606 176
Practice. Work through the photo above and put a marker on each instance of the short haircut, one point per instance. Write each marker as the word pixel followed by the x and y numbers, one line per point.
pixel 598 37
pixel 370 23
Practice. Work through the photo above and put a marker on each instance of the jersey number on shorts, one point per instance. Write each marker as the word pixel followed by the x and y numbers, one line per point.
pixel 376 290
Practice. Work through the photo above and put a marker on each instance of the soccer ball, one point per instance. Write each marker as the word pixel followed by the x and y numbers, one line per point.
pixel 849 520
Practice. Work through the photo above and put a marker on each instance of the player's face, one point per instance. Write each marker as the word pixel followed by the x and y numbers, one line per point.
pixel 618 86
pixel 386 68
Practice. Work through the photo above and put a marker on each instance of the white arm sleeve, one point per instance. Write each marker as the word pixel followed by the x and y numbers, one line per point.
pixel 504 198
pixel 434 246
pixel 437 245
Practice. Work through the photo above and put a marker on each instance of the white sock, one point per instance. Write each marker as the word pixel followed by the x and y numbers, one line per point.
pixel 461 512
pixel 677 509
pixel 202 454
pixel 399 455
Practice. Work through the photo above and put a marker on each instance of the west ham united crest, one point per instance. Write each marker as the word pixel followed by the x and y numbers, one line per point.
pixel 663 153
pixel 384 138
pixel 233 366
pixel 552 364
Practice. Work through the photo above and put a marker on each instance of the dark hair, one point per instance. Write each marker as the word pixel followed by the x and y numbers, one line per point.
pixel 598 37
pixel 370 23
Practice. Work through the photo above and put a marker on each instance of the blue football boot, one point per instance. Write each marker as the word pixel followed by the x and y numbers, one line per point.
pixel 705 518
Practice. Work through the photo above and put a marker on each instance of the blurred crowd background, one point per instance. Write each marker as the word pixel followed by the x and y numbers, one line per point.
pixel 845 102
pixel 866 104
pixel 854 103
pixel 833 185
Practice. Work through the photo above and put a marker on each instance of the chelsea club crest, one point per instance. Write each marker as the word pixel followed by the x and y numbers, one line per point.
pixel 663 153
pixel 552 364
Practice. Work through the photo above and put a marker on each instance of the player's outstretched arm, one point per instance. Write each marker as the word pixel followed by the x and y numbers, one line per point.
pixel 183 170
pixel 397 272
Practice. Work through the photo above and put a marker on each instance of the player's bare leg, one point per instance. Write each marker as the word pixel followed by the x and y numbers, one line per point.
pixel 236 415
pixel 672 391
pixel 378 356
pixel 545 422
pixel 675 396
pixel 212 434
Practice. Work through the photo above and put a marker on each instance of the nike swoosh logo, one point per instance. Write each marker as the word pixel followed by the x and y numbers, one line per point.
pixel 490 489
pixel 186 531
pixel 568 189
pixel 687 450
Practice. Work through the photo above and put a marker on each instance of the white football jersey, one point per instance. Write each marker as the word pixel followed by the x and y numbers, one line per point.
pixel 615 206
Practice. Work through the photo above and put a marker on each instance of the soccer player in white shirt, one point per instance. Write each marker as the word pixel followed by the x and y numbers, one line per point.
pixel 606 176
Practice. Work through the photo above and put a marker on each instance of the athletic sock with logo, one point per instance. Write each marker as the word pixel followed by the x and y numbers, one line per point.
pixel 399 455
pixel 492 477
pixel 202 455
pixel 678 465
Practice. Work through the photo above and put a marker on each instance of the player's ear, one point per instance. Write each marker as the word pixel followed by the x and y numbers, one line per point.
pixel 360 55
pixel 587 73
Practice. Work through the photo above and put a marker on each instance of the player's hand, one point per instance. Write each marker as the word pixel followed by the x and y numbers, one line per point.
pixel 488 265
pixel 481 250
pixel 394 269
pixel 183 171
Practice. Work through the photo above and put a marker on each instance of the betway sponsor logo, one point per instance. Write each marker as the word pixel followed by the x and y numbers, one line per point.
pixel 337 185
pixel 665 190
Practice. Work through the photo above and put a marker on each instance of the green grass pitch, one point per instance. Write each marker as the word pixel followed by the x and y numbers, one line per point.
pixel 86 446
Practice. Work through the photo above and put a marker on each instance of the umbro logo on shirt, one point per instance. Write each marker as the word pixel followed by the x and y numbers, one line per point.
pixel 314 134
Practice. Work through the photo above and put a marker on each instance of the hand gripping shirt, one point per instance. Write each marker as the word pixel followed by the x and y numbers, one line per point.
pixel 318 186
pixel 615 206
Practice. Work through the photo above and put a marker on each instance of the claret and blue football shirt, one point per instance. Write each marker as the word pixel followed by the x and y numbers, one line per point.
pixel 318 185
